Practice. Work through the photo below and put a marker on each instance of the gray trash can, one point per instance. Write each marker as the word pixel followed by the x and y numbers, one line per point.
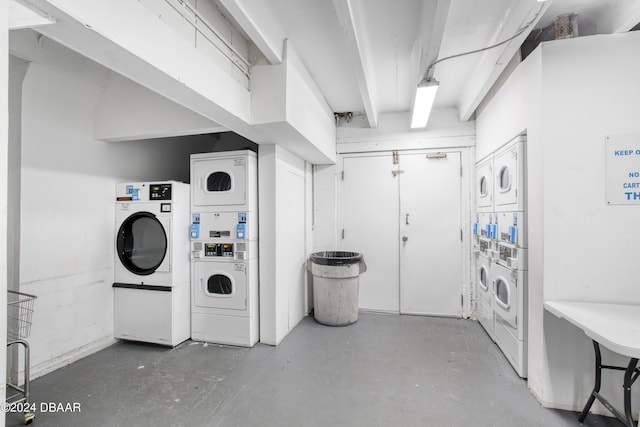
pixel 336 281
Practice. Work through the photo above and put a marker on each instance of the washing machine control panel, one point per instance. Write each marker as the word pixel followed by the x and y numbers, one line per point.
pixel 160 192
pixel 484 246
pixel 218 249
pixel 507 252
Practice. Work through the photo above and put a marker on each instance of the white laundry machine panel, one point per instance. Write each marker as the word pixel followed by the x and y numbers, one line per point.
pixel 484 285
pixel 511 256
pixel 220 285
pixel 509 290
pixel 153 314
pixel 508 172
pixel 484 184
pixel 514 348
pixel 152 244
pixel 225 179
pixel 510 310
pixel 211 224
pixel 223 251
pixel 486 318
pixel 511 228
pixel 224 302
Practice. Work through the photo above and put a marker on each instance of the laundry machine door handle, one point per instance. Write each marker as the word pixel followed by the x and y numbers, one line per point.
pixel 201 284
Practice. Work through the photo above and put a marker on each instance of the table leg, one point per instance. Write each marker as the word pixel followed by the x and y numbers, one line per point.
pixel 596 387
pixel 628 380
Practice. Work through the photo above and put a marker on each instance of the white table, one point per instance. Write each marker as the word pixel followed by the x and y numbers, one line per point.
pixel 617 327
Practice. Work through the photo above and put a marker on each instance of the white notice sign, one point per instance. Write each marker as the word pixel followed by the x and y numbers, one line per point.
pixel 622 169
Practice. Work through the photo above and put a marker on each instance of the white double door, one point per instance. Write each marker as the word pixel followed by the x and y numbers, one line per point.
pixel 403 212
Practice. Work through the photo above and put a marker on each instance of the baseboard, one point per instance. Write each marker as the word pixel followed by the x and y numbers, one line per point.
pixel 63 360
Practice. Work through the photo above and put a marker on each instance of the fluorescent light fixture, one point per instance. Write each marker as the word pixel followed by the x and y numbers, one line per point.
pixel 425 95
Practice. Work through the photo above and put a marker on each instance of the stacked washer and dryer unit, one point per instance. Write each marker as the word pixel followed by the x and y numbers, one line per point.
pixel 224 248
pixel 500 233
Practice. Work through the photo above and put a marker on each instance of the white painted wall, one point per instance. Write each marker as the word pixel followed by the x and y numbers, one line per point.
pixel 180 18
pixel 128 38
pixel 129 111
pixel 444 131
pixel 579 248
pixel 288 107
pixel 4 149
pixel 67 210
pixel 506 115
pixel 283 249
pixel 325 208
pixel 577 115
pixel 17 71
pixel 307 110
pixel 260 23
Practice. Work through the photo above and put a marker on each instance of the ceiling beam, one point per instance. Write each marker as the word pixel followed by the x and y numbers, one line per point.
pixel 354 33
pixel 494 61
pixel 426 48
pixel 127 38
pixel 626 17
pixel 23 16
pixel 261 25
pixel 433 20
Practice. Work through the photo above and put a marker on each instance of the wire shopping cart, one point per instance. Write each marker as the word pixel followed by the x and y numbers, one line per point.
pixel 19 315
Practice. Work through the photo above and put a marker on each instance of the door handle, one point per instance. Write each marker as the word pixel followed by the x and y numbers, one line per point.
pixel 406 219
pixel 405 238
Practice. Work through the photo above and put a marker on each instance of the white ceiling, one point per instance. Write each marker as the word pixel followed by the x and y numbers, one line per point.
pixel 367 56
pixel 395 40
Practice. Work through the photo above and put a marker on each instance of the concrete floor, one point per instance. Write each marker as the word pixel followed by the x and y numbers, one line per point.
pixel 385 370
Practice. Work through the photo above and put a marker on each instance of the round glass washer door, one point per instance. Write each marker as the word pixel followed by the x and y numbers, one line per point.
pixel 504 179
pixel 483 278
pixel 483 186
pixel 141 243
pixel 219 284
pixel 219 181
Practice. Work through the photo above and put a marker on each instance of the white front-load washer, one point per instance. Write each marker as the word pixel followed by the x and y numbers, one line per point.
pixel 486 318
pixel 484 292
pixel 510 307
pixel 484 287
pixel 224 307
pixel 508 170
pixel 224 180
pixel 151 271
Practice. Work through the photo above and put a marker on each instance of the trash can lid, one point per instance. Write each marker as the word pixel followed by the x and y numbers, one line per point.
pixel 336 258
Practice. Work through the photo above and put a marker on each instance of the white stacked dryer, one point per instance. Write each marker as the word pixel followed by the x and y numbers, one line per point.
pixel 484 230
pixel 507 231
pixel 484 290
pixel 224 248
pixel 151 280
pixel 510 270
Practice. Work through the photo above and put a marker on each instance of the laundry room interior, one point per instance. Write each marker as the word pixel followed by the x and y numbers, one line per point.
pixel 246 142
